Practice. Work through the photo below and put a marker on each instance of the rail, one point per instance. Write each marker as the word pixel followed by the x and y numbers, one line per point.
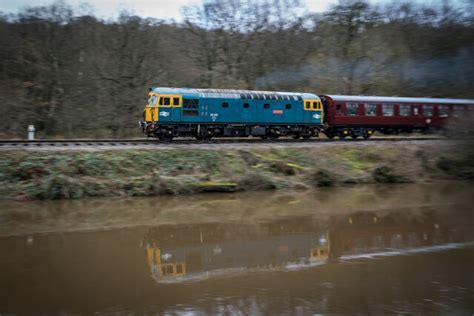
pixel 184 141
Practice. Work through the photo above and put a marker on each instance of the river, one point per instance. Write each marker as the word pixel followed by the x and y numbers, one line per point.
pixel 393 249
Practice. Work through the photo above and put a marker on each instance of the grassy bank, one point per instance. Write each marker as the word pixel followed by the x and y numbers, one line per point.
pixel 72 175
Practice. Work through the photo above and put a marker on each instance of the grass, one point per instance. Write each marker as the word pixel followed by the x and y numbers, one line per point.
pixel 73 175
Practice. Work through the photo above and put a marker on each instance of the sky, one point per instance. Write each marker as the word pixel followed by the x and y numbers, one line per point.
pixel 161 9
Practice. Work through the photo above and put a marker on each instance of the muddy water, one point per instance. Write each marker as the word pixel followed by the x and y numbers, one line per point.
pixel 368 250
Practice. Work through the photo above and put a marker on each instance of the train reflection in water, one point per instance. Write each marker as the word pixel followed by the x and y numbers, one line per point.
pixel 177 253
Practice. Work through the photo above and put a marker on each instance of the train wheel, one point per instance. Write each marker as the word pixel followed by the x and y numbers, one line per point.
pixel 264 137
pixel 354 136
pixel 329 135
pixel 296 136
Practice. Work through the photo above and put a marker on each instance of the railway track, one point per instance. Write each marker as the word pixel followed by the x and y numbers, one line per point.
pixel 183 142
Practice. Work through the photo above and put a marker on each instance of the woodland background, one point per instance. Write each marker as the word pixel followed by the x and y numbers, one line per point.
pixel 74 75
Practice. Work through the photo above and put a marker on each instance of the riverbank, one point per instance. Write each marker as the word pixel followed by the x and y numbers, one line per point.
pixel 80 174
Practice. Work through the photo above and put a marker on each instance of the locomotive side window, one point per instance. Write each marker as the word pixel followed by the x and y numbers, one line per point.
pixel 428 110
pixel 443 110
pixel 246 105
pixel 387 109
pixel 266 106
pixel 404 110
pixel 370 109
pixel 176 101
pixel 190 107
pixel 225 104
pixel 288 106
pixel 352 109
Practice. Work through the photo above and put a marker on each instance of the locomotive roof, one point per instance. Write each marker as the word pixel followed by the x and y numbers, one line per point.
pixel 361 98
pixel 228 93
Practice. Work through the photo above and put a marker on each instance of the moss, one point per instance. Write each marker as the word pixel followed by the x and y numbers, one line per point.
pixel 322 178
pixel 255 181
pixel 385 174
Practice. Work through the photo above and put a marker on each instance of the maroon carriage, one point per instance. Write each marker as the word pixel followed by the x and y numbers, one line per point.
pixel 363 115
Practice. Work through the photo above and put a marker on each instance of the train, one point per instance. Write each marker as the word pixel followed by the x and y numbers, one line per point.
pixel 207 113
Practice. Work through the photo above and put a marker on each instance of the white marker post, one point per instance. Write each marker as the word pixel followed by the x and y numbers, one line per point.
pixel 31 132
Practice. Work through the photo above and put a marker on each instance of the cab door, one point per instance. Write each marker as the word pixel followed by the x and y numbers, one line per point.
pixel 307 105
pixel 176 103
pixel 317 109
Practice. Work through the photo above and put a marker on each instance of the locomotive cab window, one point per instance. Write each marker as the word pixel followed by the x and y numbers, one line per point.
pixel 152 100
pixel 307 105
pixel 166 101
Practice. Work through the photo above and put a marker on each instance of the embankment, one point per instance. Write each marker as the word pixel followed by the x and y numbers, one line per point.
pixel 26 175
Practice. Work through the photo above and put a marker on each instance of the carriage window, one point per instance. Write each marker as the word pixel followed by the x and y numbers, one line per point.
pixel 339 109
pixel 266 106
pixel 370 109
pixel 288 106
pixel 246 105
pixel 415 110
pixel 427 110
pixel 387 109
pixel 458 111
pixel 307 105
pixel 443 110
pixel 166 101
pixel 352 109
pixel 404 110
pixel 225 104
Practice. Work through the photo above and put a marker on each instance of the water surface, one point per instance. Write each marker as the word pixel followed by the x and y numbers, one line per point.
pixel 369 250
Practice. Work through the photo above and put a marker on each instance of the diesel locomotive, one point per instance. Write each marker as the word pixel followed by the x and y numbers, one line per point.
pixel 207 113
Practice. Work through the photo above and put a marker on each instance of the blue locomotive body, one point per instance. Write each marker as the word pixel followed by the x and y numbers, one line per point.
pixel 206 113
